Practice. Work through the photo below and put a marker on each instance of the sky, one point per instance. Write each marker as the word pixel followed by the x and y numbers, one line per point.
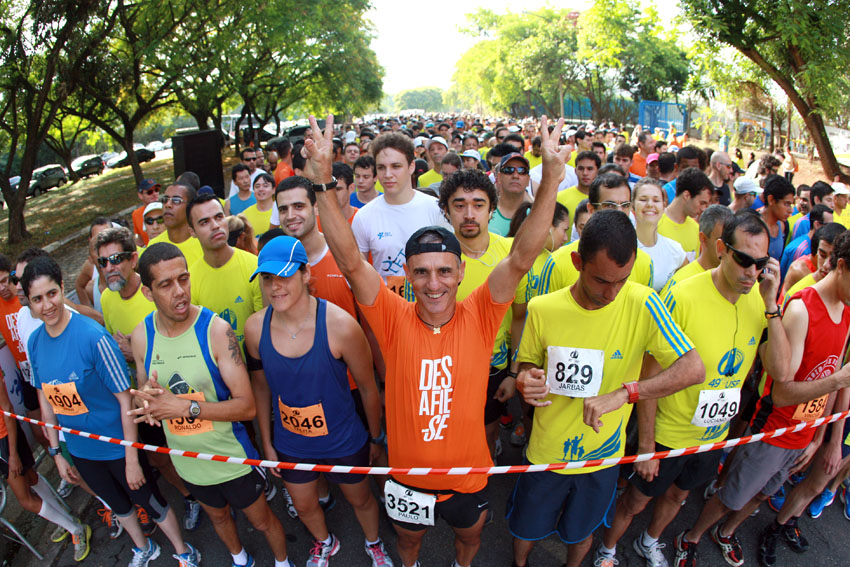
pixel 434 26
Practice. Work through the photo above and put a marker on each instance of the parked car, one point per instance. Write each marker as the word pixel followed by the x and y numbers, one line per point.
pixel 156 146
pixel 44 178
pixel 106 157
pixel 88 165
pixel 123 160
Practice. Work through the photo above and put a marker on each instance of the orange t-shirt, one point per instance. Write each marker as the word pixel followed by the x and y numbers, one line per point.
pixel 436 386
pixel 9 328
pixel 139 224
pixel 281 172
pixel 350 219
pixel 638 165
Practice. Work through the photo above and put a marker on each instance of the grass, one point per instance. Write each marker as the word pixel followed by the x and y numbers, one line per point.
pixel 65 210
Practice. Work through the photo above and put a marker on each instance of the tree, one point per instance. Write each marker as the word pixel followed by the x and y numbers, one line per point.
pixel 429 99
pixel 802 46
pixel 43 45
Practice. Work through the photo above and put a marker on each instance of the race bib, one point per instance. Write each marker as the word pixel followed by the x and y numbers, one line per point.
pixel 407 505
pixel 309 421
pixel 190 425
pixel 812 409
pixel 396 284
pixel 64 399
pixel 716 407
pixel 574 372
pixel 26 371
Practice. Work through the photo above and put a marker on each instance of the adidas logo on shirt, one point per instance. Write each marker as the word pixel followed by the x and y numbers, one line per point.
pixel 239 299
pixel 752 341
pixel 617 355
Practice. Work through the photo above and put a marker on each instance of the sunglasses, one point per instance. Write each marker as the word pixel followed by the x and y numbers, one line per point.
pixel 158 220
pixel 745 260
pixel 250 159
pixel 115 259
pixel 176 200
pixel 509 170
pixel 150 191
pixel 13 279
pixel 625 205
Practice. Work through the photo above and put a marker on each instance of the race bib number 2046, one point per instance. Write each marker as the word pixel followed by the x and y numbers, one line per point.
pixel 574 372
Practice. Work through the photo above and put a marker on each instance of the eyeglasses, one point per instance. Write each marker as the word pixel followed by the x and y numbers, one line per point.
pixel 249 159
pixel 115 259
pixel 150 191
pixel 158 220
pixel 624 206
pixel 175 200
pixel 745 260
pixel 509 170
pixel 13 279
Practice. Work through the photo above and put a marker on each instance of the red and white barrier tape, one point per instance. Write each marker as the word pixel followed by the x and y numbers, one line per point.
pixel 421 471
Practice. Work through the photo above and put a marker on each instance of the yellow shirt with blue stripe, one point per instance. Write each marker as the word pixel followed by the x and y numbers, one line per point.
pixel 559 271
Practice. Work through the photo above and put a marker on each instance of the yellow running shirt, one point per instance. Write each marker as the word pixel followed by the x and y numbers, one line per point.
pixel 607 346
pixel 476 273
pixel 260 220
pixel 429 177
pixel 191 247
pixel 689 270
pixel 559 271
pixel 533 276
pixel 570 198
pixel 726 337
pixel 807 281
pixel 686 234
pixel 124 315
pixel 226 291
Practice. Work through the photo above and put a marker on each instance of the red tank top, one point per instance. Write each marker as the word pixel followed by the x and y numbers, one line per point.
pixel 821 357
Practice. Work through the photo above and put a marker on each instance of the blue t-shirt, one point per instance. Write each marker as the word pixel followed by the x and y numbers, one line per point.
pixel 777 243
pixel 355 202
pixel 802 226
pixel 88 356
pixel 798 247
pixel 237 205
pixel 670 188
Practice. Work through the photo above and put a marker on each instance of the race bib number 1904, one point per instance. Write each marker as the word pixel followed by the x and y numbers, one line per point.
pixel 574 372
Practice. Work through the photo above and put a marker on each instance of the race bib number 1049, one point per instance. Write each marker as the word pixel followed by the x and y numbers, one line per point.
pixel 574 372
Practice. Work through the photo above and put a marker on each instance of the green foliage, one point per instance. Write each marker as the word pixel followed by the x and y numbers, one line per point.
pixel 429 99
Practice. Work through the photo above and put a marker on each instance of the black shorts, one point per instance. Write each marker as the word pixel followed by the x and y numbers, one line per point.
pixel 239 493
pixel 24 452
pixel 30 395
pixel 493 408
pixel 358 459
pixel 460 510
pixel 152 435
pixel 108 479
pixel 686 472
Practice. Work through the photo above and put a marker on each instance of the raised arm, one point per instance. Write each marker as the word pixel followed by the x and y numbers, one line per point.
pixel 364 280
pixel 532 234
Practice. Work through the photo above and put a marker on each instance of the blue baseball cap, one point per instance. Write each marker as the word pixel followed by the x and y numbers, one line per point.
pixel 281 256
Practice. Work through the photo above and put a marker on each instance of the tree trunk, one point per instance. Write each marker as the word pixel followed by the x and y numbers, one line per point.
pixel 127 144
pixel 16 202
pixel 771 145
pixel 202 118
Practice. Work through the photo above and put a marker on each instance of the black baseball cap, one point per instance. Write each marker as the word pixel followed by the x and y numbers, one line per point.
pixel 448 242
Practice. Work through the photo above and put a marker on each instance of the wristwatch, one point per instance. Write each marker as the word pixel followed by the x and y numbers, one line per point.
pixel 53 451
pixel 321 187
pixel 194 409
pixel 632 389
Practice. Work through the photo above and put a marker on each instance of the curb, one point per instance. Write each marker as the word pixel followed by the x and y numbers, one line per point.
pixel 53 246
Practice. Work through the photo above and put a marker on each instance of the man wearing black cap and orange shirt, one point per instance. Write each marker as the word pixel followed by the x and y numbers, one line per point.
pixel 435 418
pixel 148 193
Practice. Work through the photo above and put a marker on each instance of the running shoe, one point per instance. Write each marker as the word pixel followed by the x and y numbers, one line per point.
pixel 321 553
pixel 777 500
pixel 821 501
pixel 379 555
pixel 686 552
pixel 710 490
pixel 141 557
pixel 730 547
pixel 329 503
pixel 767 548
pixel 290 507
pixel 191 558
pixel 653 555
pixel 65 488
pixel 192 516
pixel 58 534
pixel 148 525
pixel 249 563
pixel 602 560
pixel 506 421
pixel 111 520
pixel 270 489
pixel 498 450
pixel 797 478
pixel 518 437
pixel 794 538
pixel 846 502
pixel 81 543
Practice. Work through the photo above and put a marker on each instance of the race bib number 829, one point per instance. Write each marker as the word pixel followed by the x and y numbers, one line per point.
pixel 574 372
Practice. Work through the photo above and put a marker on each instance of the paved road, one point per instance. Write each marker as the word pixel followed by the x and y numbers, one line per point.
pixel 828 536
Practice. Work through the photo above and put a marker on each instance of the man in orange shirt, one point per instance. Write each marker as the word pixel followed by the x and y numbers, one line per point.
pixel 437 352
pixel 645 146
pixel 148 193
pixel 284 164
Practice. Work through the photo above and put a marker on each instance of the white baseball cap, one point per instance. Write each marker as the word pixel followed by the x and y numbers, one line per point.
pixel 840 189
pixel 437 139
pixel 745 185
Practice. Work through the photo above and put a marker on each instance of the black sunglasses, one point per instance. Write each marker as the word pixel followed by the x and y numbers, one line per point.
pixel 158 220
pixel 115 259
pixel 745 260
pixel 509 170
pixel 13 279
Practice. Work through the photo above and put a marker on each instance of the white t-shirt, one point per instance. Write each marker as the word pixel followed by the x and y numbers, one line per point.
pixel 570 178
pixel 667 257
pixel 383 229
pixel 234 189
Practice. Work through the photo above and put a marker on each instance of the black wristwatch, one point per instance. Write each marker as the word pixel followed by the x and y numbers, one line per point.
pixel 53 451
pixel 321 187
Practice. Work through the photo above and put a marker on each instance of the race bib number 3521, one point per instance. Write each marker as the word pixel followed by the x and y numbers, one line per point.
pixel 574 372
pixel 407 505
pixel 64 399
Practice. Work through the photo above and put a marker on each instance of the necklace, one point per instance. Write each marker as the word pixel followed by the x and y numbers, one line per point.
pixel 434 328
pixel 476 252
pixel 294 335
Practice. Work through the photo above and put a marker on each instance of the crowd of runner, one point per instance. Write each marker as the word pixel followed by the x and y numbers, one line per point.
pixel 378 293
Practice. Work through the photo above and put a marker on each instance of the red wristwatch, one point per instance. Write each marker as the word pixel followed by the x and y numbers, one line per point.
pixel 632 389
